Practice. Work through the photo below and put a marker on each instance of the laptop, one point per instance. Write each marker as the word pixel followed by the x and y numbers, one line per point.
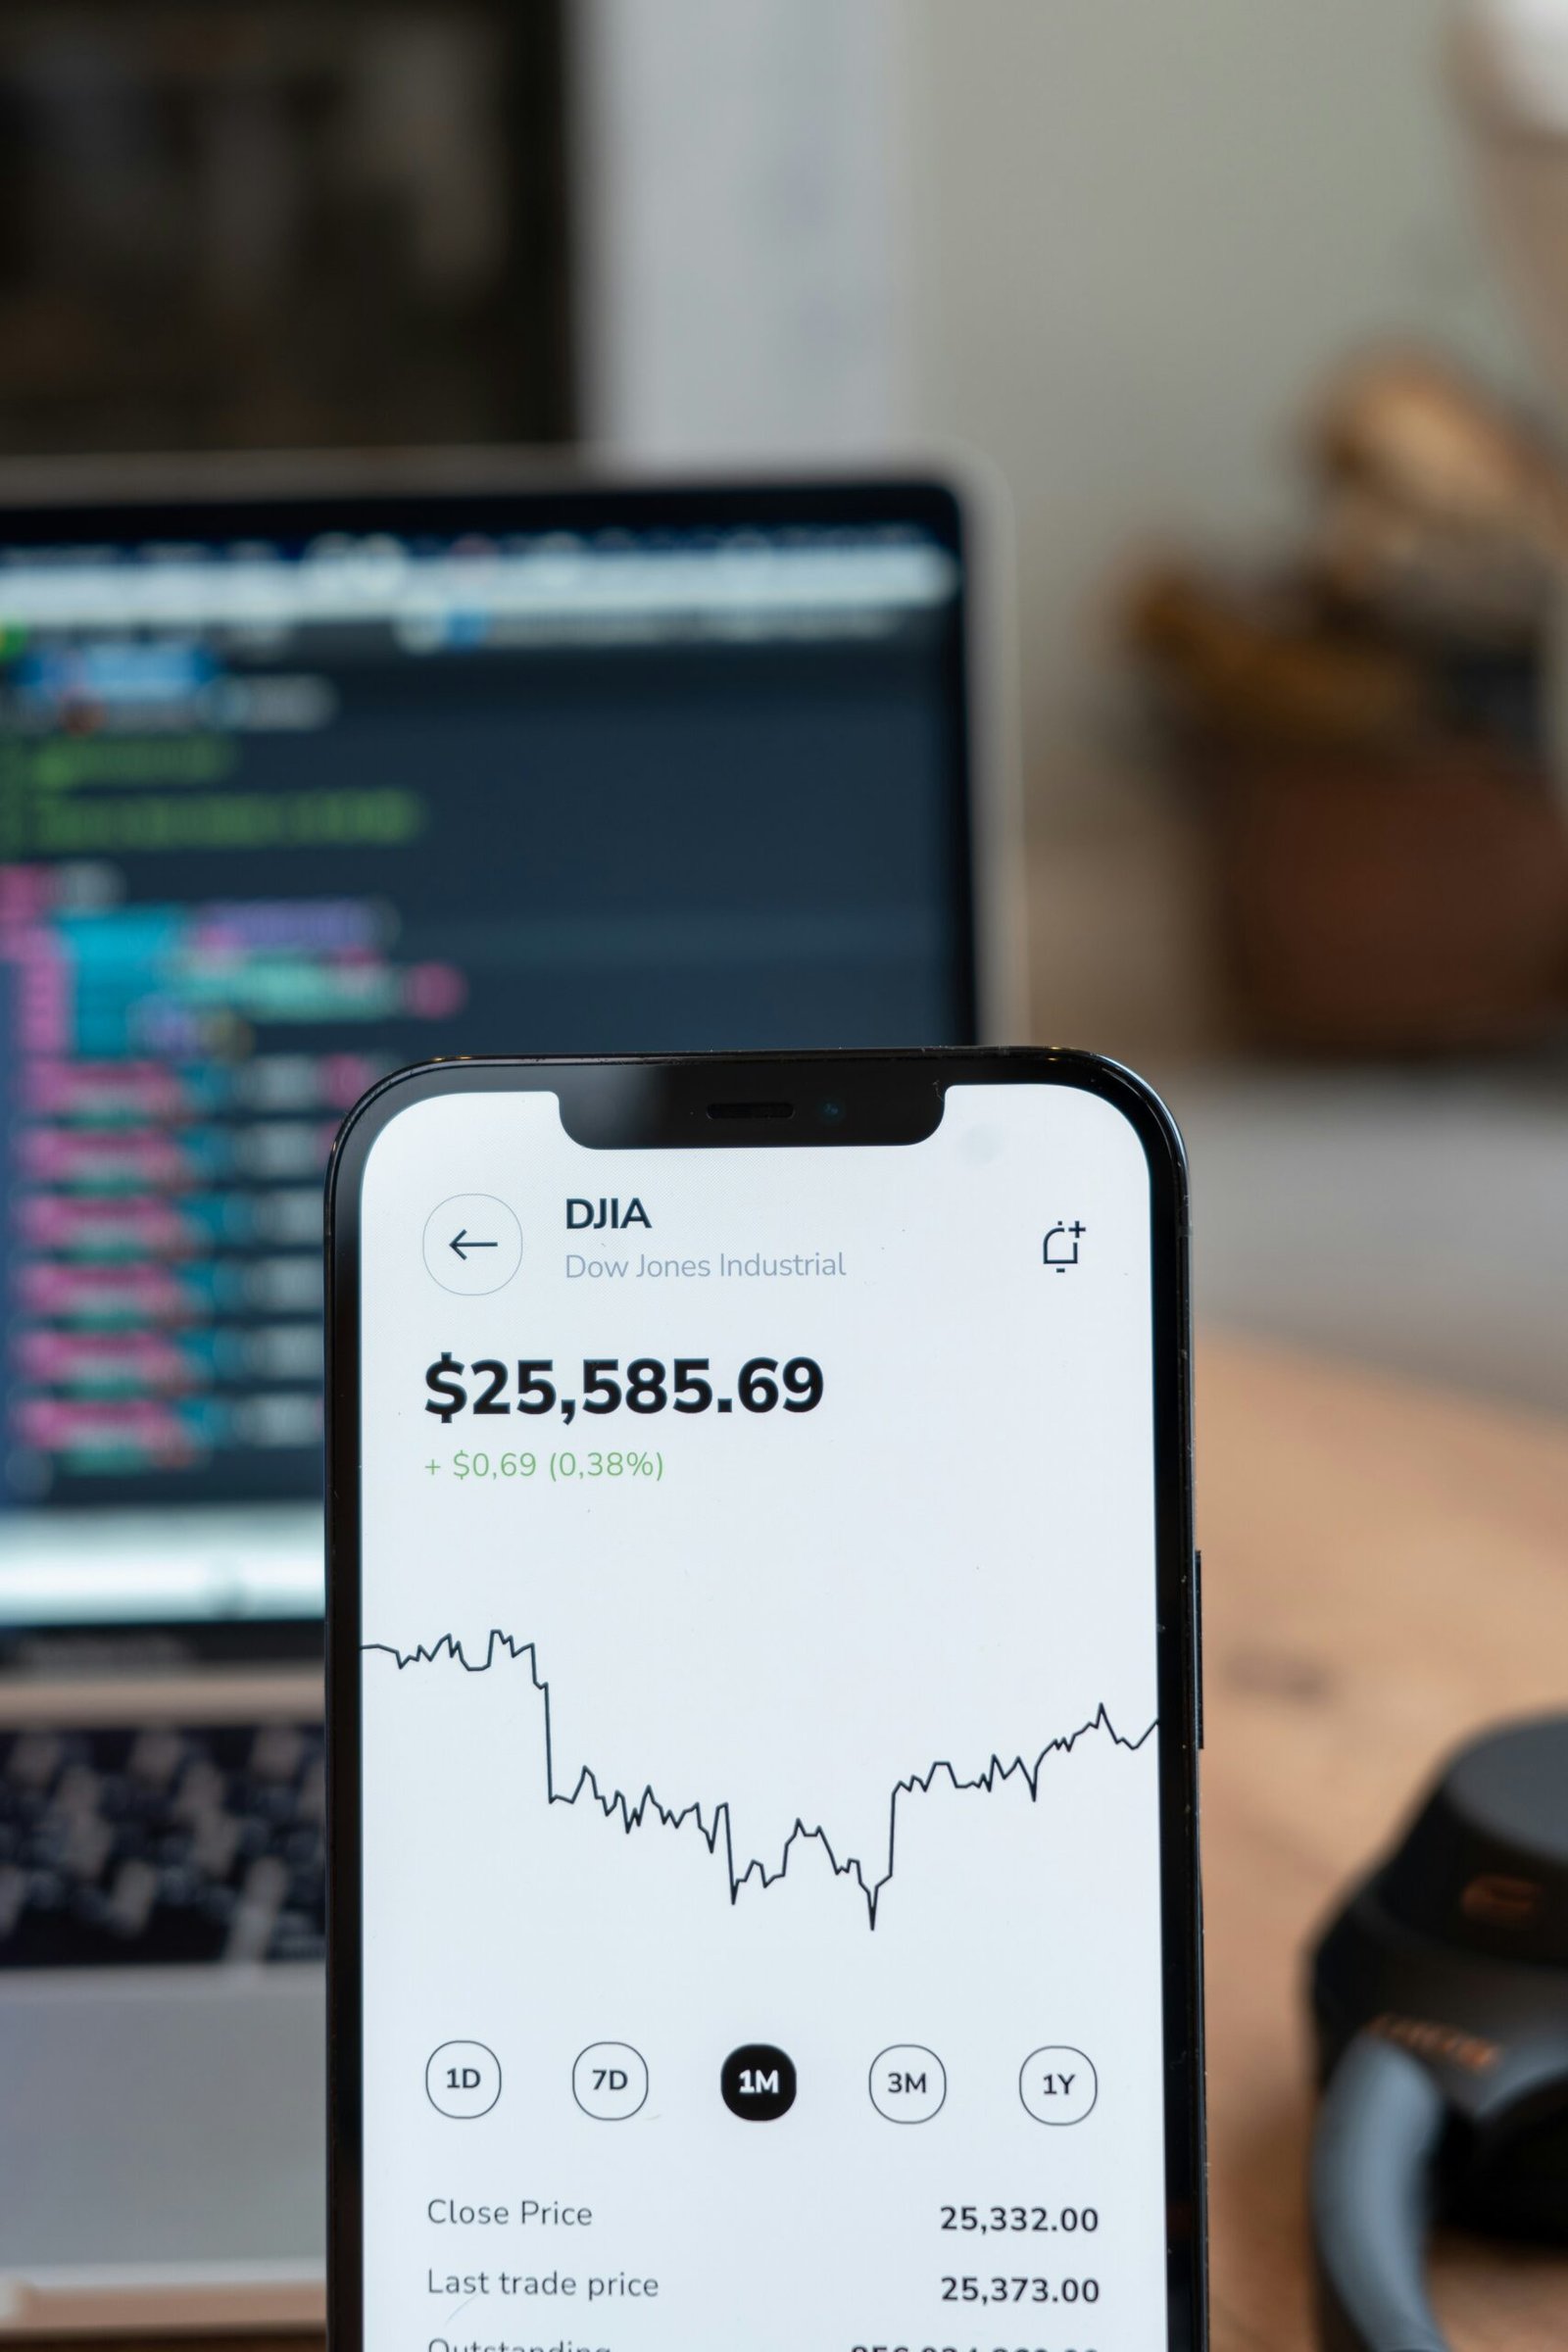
pixel 301 782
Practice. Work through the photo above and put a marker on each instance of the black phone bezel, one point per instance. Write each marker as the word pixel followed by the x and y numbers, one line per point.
pixel 650 1102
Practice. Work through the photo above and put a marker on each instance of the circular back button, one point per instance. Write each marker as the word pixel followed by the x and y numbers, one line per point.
pixel 758 2083
pixel 472 1243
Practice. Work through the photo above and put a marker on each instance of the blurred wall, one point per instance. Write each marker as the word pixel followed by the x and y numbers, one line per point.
pixel 1112 244
pixel 742 242
pixel 1137 235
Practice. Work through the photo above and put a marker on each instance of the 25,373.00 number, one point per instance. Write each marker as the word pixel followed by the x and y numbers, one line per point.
pixel 1020 2290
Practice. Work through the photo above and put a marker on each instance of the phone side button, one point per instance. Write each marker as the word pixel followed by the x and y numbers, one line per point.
pixel 1197 1644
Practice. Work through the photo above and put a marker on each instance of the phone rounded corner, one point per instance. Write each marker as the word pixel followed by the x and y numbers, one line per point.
pixel 1153 1117
pixel 363 1126
pixel 1123 1088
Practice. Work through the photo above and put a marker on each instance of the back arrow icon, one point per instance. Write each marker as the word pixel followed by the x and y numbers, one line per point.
pixel 459 1244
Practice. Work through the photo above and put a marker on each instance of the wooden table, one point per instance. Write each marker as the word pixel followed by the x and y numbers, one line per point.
pixel 1385 1569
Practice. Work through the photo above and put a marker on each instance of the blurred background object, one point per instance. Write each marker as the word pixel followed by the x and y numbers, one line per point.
pixel 271 224
pixel 1510 71
pixel 1370 732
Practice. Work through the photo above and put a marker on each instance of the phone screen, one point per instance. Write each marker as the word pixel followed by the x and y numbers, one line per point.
pixel 759 1757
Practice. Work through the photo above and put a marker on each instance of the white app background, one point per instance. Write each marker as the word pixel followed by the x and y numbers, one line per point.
pixel 847 1716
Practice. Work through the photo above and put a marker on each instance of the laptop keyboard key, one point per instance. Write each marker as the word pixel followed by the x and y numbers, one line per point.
pixel 165 1845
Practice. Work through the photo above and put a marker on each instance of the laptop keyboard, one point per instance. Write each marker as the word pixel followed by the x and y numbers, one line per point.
pixel 162 1846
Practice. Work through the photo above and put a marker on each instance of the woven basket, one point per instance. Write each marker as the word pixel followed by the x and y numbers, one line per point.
pixel 1388 899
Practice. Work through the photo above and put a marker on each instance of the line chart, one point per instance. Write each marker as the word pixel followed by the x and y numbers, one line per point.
pixel 713 1824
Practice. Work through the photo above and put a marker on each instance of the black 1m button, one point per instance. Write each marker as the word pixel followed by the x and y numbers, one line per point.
pixel 758 2083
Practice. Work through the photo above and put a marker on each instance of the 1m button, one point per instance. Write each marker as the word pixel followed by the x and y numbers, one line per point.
pixel 758 2083
pixel 472 1243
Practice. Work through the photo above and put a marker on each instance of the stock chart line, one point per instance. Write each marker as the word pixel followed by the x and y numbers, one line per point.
pixel 714 1825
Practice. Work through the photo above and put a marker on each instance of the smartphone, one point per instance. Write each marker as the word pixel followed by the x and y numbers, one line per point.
pixel 764 1701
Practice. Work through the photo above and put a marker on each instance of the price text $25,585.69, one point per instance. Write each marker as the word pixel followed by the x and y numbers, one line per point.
pixel 648 1384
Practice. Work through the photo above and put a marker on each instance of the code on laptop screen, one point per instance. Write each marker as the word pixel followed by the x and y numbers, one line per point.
pixel 277 816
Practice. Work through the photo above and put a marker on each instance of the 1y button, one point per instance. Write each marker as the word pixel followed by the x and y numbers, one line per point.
pixel 472 1243
pixel 1058 2084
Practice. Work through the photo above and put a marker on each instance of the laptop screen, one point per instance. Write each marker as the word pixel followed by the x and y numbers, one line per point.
pixel 290 797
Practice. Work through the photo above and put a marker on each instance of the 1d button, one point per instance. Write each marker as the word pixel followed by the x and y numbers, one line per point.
pixel 463 2078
